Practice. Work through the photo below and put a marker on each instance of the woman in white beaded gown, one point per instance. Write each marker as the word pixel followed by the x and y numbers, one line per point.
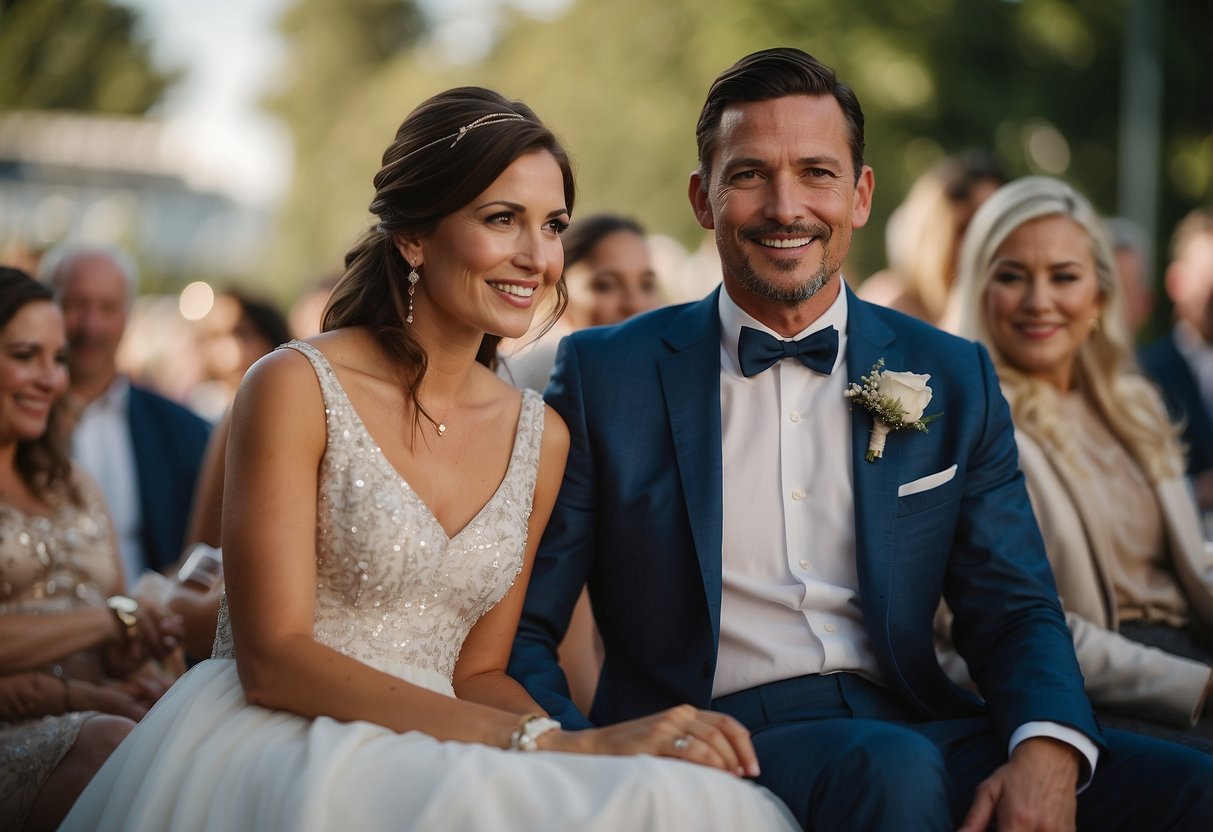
pixel 385 494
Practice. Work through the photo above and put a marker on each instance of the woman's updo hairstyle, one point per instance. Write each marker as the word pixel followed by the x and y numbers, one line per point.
pixel 446 153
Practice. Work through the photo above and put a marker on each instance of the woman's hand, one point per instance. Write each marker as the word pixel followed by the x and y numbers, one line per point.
pixel 159 632
pixel 106 697
pixel 146 687
pixel 685 733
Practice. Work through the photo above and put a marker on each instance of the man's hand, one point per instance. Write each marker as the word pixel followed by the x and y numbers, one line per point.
pixel 1034 790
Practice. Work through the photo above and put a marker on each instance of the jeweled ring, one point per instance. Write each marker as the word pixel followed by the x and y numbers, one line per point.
pixel 682 743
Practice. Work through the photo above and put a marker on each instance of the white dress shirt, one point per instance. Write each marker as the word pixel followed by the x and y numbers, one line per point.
pixel 790 600
pixel 790 596
pixel 102 446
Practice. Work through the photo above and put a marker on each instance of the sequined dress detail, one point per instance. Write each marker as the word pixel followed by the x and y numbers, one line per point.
pixel 395 592
pixel 49 564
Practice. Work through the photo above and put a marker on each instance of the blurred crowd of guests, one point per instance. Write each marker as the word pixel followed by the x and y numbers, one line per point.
pixel 111 491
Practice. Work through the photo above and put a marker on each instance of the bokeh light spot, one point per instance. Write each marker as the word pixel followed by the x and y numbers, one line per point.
pixel 196 300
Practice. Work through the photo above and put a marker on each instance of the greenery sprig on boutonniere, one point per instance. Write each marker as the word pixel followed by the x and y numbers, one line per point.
pixel 896 400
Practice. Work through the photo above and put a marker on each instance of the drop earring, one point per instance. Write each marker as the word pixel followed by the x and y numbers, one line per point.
pixel 413 278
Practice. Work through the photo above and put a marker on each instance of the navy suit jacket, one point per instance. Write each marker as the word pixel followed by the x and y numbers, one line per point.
pixel 639 517
pixel 169 441
pixel 1163 363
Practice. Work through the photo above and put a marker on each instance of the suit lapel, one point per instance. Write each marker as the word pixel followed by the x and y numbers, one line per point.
pixel 868 340
pixel 690 380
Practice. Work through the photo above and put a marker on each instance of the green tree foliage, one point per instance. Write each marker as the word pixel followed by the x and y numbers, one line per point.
pixel 337 50
pixel 1187 111
pixel 76 55
pixel 1038 81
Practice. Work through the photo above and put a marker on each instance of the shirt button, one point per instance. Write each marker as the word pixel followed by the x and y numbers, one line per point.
pixel 794 415
pixel 830 628
pixel 798 494
pixel 804 564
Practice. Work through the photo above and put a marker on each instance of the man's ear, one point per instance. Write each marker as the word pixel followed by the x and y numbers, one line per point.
pixel 1173 281
pixel 410 248
pixel 865 185
pixel 697 192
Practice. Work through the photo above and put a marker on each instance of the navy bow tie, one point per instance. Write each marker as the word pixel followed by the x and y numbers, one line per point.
pixel 757 351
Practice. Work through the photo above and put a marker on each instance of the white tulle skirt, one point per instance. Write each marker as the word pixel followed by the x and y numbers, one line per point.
pixel 204 759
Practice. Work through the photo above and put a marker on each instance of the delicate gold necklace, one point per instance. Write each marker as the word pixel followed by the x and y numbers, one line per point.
pixel 440 424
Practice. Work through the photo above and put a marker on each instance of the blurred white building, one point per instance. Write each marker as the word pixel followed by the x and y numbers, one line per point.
pixel 122 181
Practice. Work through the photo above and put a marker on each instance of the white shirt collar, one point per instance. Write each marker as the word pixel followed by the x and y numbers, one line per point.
pixel 1187 339
pixel 733 318
pixel 115 396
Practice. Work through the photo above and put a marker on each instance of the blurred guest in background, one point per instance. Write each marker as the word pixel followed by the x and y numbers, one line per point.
pixel 1182 362
pixel 308 309
pixel 1103 466
pixel 74 653
pixel 237 331
pixel 142 449
pixel 608 269
pixel 924 233
pixel 1131 256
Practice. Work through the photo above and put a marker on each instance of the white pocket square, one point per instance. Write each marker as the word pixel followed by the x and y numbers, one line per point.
pixel 926 483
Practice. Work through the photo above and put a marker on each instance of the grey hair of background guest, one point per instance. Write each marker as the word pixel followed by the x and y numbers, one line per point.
pixel 56 263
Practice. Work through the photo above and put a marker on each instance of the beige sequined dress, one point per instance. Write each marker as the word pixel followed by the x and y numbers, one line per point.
pixel 395 592
pixel 50 563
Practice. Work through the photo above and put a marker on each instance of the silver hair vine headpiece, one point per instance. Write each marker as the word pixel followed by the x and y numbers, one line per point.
pixel 483 121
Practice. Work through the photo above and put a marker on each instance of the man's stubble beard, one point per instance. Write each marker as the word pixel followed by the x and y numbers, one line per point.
pixel 791 297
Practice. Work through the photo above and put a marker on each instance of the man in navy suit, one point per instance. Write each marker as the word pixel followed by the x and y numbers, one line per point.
pixel 742 554
pixel 143 450
pixel 1182 361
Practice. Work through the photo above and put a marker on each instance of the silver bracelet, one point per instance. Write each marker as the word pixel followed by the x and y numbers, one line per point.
pixel 529 730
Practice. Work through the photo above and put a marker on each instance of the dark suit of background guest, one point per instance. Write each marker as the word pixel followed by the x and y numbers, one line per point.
pixel 1163 362
pixel 168 441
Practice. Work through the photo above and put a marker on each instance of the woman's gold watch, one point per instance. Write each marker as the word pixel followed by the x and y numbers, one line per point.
pixel 124 610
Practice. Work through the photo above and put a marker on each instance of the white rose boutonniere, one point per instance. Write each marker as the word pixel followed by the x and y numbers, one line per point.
pixel 895 399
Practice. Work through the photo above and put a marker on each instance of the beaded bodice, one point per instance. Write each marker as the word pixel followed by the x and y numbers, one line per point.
pixel 392 589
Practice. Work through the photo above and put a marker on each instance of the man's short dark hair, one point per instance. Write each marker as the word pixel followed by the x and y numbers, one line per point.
pixel 774 73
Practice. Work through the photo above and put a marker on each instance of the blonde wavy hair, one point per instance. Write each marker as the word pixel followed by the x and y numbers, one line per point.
pixel 1105 372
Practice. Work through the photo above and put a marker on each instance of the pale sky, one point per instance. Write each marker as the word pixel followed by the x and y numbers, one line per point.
pixel 230 52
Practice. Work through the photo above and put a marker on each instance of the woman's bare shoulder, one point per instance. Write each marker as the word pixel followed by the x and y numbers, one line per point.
pixel 287 367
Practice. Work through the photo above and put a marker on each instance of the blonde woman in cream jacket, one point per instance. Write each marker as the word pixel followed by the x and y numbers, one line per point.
pixel 1103 465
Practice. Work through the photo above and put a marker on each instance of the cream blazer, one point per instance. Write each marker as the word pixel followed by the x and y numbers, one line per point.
pixel 1121 674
